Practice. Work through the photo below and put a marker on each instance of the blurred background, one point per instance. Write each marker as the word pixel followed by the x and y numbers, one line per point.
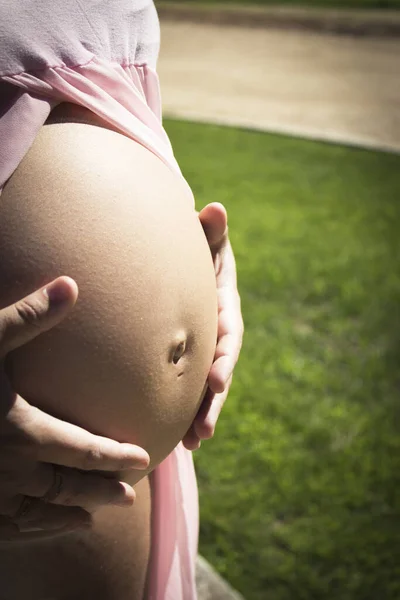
pixel 289 115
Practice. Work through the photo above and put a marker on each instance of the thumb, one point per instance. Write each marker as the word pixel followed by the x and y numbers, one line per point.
pixel 36 313
pixel 214 221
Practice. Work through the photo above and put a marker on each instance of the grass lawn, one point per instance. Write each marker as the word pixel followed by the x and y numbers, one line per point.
pixel 300 488
pixel 391 4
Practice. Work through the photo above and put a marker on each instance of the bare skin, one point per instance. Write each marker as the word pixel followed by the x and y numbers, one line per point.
pixel 108 561
pixel 214 221
pixel 102 563
pixel 110 524
pixel 144 252
pixel 32 443
pixel 153 404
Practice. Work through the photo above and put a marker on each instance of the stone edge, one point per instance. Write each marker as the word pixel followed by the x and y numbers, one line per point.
pixel 210 585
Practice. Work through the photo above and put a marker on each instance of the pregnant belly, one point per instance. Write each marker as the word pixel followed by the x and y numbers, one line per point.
pixel 131 362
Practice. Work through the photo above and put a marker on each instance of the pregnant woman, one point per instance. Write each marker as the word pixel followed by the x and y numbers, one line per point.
pixel 90 188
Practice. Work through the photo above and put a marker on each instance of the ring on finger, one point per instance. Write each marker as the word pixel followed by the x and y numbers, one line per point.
pixel 55 489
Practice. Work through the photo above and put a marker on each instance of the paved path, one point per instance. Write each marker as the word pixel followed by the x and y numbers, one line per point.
pixel 340 88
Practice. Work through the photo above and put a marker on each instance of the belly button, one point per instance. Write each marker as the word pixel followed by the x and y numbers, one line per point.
pixel 179 352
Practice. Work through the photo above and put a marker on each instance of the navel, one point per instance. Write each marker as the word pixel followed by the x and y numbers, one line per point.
pixel 179 351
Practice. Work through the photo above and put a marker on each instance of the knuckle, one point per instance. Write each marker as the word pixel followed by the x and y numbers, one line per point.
pixel 92 458
pixel 29 312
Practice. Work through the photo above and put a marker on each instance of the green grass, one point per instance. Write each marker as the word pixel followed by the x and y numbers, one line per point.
pixel 382 4
pixel 300 488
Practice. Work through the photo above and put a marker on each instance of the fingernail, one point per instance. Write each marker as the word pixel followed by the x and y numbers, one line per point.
pixel 125 496
pixel 56 293
pixel 134 458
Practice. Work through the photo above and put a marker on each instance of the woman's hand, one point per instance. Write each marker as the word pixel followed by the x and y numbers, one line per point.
pixel 230 326
pixel 45 463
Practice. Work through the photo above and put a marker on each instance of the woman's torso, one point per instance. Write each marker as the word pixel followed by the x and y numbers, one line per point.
pixel 93 204
pixel 90 53
pixel 132 361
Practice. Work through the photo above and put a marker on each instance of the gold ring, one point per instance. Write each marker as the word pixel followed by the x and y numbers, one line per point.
pixel 56 487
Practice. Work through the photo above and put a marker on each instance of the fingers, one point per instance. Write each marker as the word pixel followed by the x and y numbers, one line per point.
pixel 34 495
pixel 220 373
pixel 230 335
pixel 191 441
pixel 214 220
pixel 226 352
pixel 230 325
pixel 90 491
pixel 76 494
pixel 31 518
pixel 63 486
pixel 205 426
pixel 38 312
pixel 44 438
pixel 198 430
pixel 33 513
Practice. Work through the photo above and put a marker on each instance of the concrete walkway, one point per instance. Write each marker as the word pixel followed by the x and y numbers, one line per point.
pixel 338 88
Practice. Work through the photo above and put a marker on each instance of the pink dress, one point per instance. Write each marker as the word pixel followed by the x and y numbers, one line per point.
pixel 101 54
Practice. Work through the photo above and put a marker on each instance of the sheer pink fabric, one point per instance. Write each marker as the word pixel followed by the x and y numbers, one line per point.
pixel 175 521
pixel 127 97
